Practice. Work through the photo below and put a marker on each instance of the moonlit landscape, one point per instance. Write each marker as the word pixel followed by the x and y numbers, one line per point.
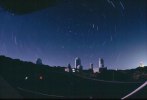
pixel 73 49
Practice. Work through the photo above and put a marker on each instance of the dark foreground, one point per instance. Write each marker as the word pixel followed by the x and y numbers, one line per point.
pixel 27 80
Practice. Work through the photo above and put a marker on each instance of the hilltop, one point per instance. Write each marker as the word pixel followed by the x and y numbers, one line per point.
pixel 55 81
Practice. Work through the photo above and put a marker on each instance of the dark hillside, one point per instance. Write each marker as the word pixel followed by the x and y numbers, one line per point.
pixel 54 81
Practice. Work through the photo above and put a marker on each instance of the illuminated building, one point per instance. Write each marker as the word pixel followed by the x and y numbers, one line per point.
pixel 77 62
pixel 78 66
pixel 73 70
pixel 101 65
pixel 141 64
pixel 68 68
pixel 101 62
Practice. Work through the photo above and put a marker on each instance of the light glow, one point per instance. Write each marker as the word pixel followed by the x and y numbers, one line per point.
pixel 40 77
pixel 141 64
pixel 26 78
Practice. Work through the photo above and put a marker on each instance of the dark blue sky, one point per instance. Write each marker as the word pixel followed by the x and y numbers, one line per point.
pixel 115 30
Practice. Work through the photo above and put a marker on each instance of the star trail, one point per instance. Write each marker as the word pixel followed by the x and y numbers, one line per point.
pixel 115 30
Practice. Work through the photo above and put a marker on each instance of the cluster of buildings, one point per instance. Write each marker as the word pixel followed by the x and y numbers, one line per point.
pixel 79 68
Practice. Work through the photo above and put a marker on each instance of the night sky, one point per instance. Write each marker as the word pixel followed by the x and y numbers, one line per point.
pixel 115 30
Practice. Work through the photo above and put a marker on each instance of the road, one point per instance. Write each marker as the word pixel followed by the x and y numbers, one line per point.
pixel 7 91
